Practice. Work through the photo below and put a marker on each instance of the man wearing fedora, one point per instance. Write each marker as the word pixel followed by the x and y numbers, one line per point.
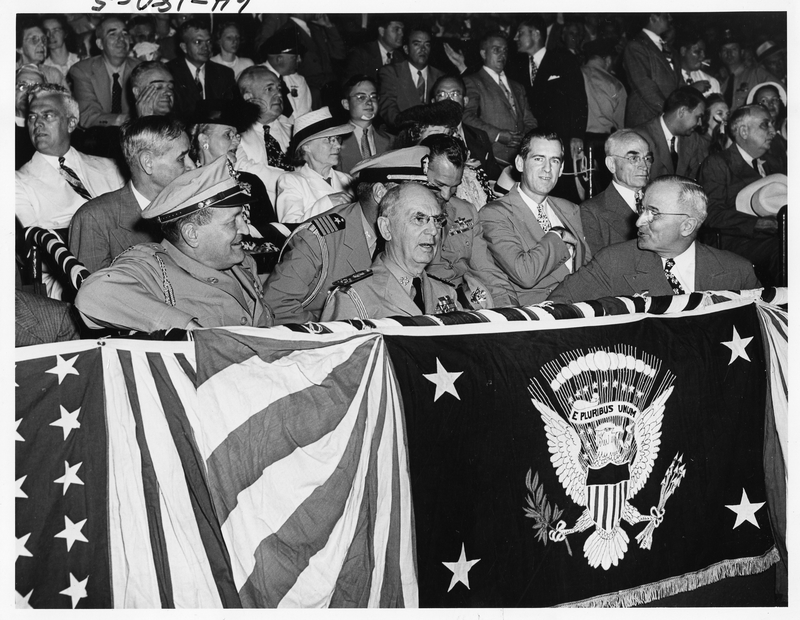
pixel 282 52
pixel 723 175
pixel 666 258
pixel 199 276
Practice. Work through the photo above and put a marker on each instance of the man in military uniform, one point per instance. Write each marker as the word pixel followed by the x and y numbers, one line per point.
pixel 410 219
pixel 199 276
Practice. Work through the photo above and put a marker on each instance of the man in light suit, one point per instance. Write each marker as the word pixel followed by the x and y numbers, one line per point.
pixel 410 220
pixel 651 76
pixel 666 259
pixel 672 135
pixel 406 84
pixel 496 104
pixel 156 150
pixel 361 102
pixel 610 217
pixel 196 78
pixel 387 49
pixel 535 238
pixel 44 196
pixel 93 78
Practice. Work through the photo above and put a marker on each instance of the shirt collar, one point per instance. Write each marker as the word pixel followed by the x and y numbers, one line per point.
pixel 654 38
pixel 69 158
pixel 628 195
pixel 539 56
pixel 112 70
pixel 665 129
pixel 193 69
pixel 684 268
pixel 748 158
pixel 140 199
pixel 494 74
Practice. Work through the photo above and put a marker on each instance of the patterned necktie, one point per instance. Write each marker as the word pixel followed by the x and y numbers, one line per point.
pixel 421 87
pixel 416 285
pixel 688 78
pixel 288 108
pixel 198 84
pixel 673 281
pixel 73 179
pixel 508 95
pixel 532 68
pixel 365 150
pixel 673 154
pixel 116 95
pixel 541 215
pixel 275 156
pixel 758 166
pixel 388 58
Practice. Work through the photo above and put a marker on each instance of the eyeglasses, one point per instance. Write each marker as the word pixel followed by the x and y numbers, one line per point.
pixel 420 219
pixel 201 42
pixel 332 139
pixel 363 97
pixel 638 159
pixel 650 214
pixel 448 94
pixel 36 39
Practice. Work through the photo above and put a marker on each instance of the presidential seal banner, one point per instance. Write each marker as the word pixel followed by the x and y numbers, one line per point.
pixel 586 465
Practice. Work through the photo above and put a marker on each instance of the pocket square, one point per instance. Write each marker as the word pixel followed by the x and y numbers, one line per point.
pixel 553 77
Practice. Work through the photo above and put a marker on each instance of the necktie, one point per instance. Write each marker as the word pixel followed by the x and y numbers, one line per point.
pixel 365 150
pixel 421 87
pixel 532 68
pixel 673 154
pixel 328 181
pixel 74 181
pixel 541 215
pixel 388 58
pixel 758 165
pixel 275 156
pixel 673 281
pixel 116 95
pixel 508 95
pixel 688 78
pixel 638 197
pixel 416 285
pixel 198 84
pixel 288 108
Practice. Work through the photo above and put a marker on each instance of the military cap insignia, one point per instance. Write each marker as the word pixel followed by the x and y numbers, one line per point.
pixel 444 305
pixel 460 225
pixel 353 278
pixel 327 224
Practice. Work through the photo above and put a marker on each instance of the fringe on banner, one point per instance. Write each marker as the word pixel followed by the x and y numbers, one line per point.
pixel 685 583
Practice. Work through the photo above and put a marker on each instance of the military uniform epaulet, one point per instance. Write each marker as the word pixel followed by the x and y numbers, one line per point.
pixel 328 224
pixel 442 280
pixel 353 278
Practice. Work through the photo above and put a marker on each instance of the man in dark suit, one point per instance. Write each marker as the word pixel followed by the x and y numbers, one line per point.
pixel 406 84
pixel 651 75
pixel 554 86
pixel 725 174
pixel 387 49
pixel 361 102
pixel 479 146
pixel 666 259
pixel 535 238
pixel 156 150
pixel 196 78
pixel 100 83
pixel 496 104
pixel 676 145
pixel 610 217
pixel 39 320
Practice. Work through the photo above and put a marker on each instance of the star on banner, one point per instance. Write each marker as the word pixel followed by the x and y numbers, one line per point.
pixel 70 476
pixel 68 421
pixel 21 602
pixel 72 532
pixel 460 569
pixel 16 430
pixel 737 345
pixel 76 590
pixel 21 550
pixel 63 368
pixel 19 492
pixel 444 381
pixel 745 511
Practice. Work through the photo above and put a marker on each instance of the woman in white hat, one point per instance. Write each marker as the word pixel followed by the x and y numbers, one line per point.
pixel 772 96
pixel 314 186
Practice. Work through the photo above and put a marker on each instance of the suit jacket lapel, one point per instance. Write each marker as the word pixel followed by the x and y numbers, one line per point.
pixel 128 212
pixel 619 209
pixel 100 77
pixel 648 274
pixel 662 58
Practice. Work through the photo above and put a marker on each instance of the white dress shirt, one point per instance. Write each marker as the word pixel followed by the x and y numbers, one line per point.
pixel 554 221
pixel 668 135
pixel 358 132
pixel 628 195
pixel 684 268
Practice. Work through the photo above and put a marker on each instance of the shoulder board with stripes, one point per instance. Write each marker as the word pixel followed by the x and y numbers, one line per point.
pixel 353 278
pixel 327 224
pixel 442 280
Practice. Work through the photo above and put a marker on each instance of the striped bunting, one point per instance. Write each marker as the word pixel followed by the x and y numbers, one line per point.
pixel 306 463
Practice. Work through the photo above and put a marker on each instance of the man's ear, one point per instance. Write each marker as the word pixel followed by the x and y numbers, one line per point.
pixel 519 163
pixel 483 54
pixel 189 234
pixel 405 49
pixel 385 228
pixel 466 101
pixel 99 42
pixel 72 124
pixel 183 47
pixel 247 96
pixel 611 164
pixel 688 226
pixel 146 161
pixel 346 104
pixel 381 30
pixel 378 192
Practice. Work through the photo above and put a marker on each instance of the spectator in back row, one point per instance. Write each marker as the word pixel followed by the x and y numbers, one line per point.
pixel 32 48
pixel 360 100
pixel 386 50
pixel 228 38
pixel 28 76
pixel 283 51
pixel 58 32
pixel 741 76
pixel 153 89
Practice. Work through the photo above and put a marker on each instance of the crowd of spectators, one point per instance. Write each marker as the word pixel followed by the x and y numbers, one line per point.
pixel 568 117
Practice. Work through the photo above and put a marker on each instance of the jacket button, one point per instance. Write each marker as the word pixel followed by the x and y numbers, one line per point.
pixel 212 280
pixel 244 320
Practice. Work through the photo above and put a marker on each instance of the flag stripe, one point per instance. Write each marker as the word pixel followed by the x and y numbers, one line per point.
pixel 193 471
pixel 150 488
pixel 280 428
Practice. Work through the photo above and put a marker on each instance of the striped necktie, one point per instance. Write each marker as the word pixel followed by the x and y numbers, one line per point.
pixel 73 179
pixel 198 83
pixel 671 278
pixel 532 68
pixel 508 94
pixel 365 150
pixel 421 87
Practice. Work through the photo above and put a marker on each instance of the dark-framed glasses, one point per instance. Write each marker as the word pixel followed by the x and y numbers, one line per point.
pixel 651 214
pixel 638 159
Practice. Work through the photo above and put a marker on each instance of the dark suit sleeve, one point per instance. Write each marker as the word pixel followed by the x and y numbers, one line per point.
pixel 576 100
pixel 389 87
pixel 592 281
pixel 472 112
pixel 636 62
pixel 716 178
pixel 592 228
pixel 87 241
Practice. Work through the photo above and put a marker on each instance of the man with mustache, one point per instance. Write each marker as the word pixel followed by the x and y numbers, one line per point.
pixel 198 276
pixel 361 102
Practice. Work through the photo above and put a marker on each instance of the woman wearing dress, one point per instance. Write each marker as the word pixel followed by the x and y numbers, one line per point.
pixel 228 38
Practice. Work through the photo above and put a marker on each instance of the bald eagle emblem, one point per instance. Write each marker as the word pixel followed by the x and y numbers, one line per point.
pixel 605 442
